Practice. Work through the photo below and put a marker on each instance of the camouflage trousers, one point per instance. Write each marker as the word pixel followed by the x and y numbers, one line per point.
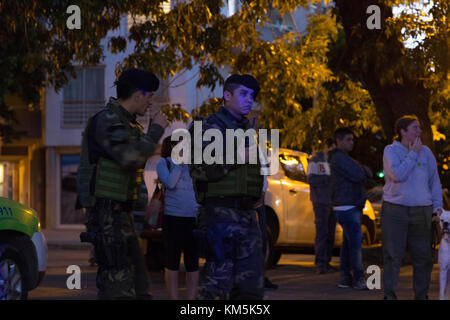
pixel 237 270
pixel 122 272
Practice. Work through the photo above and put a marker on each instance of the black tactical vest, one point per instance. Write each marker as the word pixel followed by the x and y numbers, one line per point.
pixel 244 181
pixel 100 177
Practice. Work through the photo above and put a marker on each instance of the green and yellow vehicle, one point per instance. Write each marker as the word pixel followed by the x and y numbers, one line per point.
pixel 23 250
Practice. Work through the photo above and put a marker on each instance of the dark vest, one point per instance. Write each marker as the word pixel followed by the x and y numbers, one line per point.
pixel 101 177
pixel 244 181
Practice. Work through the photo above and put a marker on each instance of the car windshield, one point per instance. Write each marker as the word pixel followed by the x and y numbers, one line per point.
pixel 293 167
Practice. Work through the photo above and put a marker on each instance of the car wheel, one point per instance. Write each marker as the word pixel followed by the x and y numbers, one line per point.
pixel 13 278
pixel 276 257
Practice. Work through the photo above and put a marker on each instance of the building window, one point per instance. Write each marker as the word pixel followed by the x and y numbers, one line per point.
pixel 139 18
pixel 68 213
pixel 280 23
pixel 83 97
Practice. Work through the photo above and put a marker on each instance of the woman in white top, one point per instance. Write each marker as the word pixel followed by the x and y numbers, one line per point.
pixel 411 194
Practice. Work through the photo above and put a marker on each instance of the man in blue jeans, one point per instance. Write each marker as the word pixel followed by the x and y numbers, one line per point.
pixel 348 198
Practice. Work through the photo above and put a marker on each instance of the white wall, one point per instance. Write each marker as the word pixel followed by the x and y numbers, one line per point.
pixel 187 95
pixel 55 135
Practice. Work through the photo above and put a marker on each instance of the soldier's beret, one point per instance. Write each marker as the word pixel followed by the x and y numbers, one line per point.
pixel 245 80
pixel 139 79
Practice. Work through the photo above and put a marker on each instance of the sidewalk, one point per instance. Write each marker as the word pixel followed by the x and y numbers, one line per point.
pixel 70 240
pixel 295 275
pixel 64 239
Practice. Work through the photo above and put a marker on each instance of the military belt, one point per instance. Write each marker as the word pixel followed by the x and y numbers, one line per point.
pixel 243 203
pixel 108 203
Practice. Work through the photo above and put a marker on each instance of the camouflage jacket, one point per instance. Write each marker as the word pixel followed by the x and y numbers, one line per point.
pixel 110 137
pixel 214 172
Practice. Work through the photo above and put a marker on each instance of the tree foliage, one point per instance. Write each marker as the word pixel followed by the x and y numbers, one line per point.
pixel 315 80
pixel 290 67
pixel 37 49
pixel 400 79
pixel 337 72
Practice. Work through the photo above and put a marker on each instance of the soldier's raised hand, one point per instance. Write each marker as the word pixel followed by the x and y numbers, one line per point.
pixel 160 119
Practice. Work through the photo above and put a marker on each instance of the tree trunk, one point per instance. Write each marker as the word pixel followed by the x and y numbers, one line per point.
pixel 370 54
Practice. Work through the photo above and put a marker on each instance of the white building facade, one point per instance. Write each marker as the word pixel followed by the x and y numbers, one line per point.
pixel 66 115
pixel 67 111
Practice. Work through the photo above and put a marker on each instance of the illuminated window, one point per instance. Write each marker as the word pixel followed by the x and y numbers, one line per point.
pixel 293 167
pixel 139 19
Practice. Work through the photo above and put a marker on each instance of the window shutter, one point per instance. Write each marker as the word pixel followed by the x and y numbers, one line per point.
pixel 83 97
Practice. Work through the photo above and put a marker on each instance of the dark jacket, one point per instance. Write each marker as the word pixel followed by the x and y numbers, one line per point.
pixel 347 180
pixel 215 172
pixel 318 177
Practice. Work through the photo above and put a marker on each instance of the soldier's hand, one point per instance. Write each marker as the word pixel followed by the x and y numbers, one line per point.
pixel 160 119
pixel 154 110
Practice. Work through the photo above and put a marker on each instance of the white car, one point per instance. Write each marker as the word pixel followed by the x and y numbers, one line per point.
pixel 23 250
pixel 289 214
pixel 289 211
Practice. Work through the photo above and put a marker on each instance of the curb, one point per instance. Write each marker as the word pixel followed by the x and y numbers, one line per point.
pixel 68 246
pixel 373 254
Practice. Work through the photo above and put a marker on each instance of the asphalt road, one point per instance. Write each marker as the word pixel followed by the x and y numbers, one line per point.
pixel 294 274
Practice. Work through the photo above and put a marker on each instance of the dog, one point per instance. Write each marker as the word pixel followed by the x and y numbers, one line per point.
pixel 444 256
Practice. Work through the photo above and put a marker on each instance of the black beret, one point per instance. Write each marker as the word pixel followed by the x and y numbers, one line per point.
pixel 139 79
pixel 245 80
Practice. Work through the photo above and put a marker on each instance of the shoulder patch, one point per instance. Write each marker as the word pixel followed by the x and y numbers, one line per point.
pixel 319 168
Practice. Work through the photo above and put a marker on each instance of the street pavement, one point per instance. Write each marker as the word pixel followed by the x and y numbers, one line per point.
pixel 295 275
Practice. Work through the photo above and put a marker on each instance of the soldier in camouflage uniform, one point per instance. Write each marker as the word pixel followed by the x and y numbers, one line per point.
pixel 113 154
pixel 228 193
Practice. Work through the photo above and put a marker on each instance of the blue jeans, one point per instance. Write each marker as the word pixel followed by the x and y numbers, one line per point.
pixel 351 255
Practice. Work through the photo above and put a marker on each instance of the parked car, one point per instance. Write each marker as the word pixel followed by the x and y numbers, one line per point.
pixel 289 211
pixel 23 250
pixel 375 196
pixel 290 215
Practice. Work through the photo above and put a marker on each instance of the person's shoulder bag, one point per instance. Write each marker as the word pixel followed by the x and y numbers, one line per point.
pixel 154 211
